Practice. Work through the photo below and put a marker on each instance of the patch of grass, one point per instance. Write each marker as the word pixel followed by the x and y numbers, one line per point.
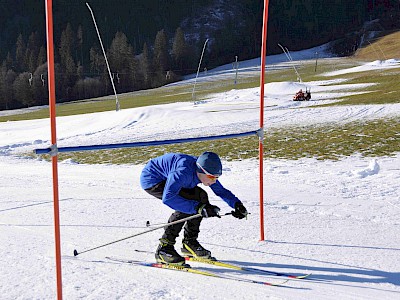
pixel 379 137
pixel 386 88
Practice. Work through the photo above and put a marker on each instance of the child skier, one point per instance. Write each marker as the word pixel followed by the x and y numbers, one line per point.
pixel 174 177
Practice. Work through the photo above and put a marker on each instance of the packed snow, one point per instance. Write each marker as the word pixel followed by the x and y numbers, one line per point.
pixel 375 65
pixel 338 220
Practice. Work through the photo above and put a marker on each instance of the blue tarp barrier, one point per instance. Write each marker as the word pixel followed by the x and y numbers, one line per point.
pixel 55 150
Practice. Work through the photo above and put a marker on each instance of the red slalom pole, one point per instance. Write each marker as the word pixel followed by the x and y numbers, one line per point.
pixel 54 157
pixel 261 142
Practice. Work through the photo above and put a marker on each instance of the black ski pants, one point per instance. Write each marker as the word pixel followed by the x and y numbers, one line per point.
pixel 192 227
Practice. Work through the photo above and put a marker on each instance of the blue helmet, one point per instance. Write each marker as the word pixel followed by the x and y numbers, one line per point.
pixel 210 163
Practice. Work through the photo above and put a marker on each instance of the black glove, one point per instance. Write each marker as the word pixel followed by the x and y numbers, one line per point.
pixel 208 210
pixel 240 211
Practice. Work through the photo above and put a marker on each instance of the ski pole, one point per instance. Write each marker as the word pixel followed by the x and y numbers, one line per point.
pixel 166 224
pixel 76 253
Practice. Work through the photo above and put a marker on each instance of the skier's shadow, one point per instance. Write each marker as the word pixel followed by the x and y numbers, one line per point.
pixel 340 275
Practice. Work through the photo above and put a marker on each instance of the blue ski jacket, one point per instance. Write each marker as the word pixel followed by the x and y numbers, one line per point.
pixel 179 171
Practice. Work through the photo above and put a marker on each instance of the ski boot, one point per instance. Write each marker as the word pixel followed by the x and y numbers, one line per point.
pixel 192 248
pixel 166 254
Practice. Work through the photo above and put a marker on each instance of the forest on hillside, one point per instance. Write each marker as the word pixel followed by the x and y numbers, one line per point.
pixel 154 42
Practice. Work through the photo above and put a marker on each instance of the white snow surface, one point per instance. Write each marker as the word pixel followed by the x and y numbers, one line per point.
pixel 375 65
pixel 336 219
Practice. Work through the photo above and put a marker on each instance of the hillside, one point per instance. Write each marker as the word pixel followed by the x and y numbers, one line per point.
pixel 380 48
pixel 145 54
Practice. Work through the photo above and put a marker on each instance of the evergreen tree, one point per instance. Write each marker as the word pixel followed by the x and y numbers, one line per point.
pixel 9 62
pixel 180 52
pixel 97 63
pixel 41 59
pixel 40 85
pixel 79 36
pixel 20 49
pixel 67 63
pixel 23 90
pixel 8 77
pixel 32 52
pixel 146 66
pixel 123 64
pixel 161 57
pixel 3 99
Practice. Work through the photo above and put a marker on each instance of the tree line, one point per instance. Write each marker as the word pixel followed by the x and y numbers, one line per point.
pixel 143 42
pixel 23 75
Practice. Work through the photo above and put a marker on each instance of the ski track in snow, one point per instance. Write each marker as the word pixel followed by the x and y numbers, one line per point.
pixel 336 219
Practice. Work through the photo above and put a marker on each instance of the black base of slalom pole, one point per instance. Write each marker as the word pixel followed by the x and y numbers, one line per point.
pixel 75 252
